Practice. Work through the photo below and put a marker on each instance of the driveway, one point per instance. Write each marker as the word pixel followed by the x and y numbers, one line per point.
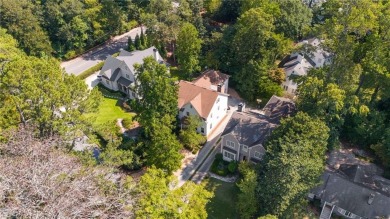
pixel 91 58
pixel 198 167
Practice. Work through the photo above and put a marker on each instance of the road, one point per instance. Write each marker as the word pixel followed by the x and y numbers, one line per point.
pixel 91 58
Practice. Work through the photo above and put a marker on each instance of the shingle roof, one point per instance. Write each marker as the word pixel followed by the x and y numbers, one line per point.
pixel 278 107
pixel 111 66
pixel 124 81
pixel 353 197
pixel 248 128
pixel 200 98
pixel 210 77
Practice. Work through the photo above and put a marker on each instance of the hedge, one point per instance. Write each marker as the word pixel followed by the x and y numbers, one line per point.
pixel 85 74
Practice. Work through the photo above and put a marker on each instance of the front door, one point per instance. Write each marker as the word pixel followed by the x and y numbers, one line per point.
pixel 244 158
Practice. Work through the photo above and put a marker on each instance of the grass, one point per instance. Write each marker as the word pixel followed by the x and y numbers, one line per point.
pixel 223 204
pixel 109 110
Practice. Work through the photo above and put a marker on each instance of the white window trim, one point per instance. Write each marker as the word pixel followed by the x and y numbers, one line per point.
pixel 227 152
pixel 230 144
pixel 257 156
pixel 245 148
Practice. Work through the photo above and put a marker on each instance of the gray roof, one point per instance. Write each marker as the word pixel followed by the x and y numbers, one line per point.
pixel 278 107
pixel 124 81
pixel 353 197
pixel 131 58
pixel 111 66
pixel 249 128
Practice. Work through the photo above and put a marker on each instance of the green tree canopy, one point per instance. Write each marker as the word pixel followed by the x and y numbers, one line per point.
pixel 294 161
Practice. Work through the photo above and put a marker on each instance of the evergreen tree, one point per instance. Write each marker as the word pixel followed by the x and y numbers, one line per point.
pixel 143 40
pixel 137 42
pixel 130 45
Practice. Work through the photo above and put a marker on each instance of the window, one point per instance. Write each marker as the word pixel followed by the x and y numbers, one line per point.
pixel 211 115
pixel 346 213
pixel 107 82
pixel 229 155
pixel 187 113
pixel 211 125
pixel 230 144
pixel 245 148
pixel 293 91
pixel 257 154
pixel 190 106
pixel 218 100
pixel 202 130
pixel 127 76
pixel 218 107
pixel 285 87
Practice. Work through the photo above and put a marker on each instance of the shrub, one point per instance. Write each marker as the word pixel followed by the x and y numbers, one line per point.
pixel 219 167
pixel 70 54
pixel 232 167
pixel 85 74
pixel 219 157
pixel 127 123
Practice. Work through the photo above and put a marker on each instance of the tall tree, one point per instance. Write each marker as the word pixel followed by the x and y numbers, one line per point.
pixel 188 49
pixel 247 203
pixel 157 110
pixel 188 135
pixel 21 21
pixel 160 199
pixel 294 161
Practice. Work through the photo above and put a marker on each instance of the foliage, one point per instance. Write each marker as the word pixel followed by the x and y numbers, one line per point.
pixel 268 216
pixel 232 166
pixel 188 49
pixel 247 203
pixel 127 122
pixel 137 43
pixel 294 161
pixel 188 135
pixel 160 199
pixel 130 45
pixel 92 70
pixel 156 113
pixel 220 167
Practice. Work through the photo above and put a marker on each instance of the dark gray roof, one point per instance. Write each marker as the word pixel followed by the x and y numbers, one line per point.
pixel 110 66
pixel 353 197
pixel 229 149
pixel 249 128
pixel 124 81
pixel 278 107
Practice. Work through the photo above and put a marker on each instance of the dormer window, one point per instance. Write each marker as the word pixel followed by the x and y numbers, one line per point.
pixel 127 76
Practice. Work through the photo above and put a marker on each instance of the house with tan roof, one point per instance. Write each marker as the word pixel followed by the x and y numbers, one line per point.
pixel 214 80
pixel 210 105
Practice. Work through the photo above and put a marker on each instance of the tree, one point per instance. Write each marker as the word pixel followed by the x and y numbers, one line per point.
pixel 247 203
pixel 160 199
pixel 188 49
pixel 137 42
pixel 157 110
pixel 325 102
pixel 143 40
pixel 44 181
pixel 130 45
pixel 188 135
pixel 293 164
pixel 19 18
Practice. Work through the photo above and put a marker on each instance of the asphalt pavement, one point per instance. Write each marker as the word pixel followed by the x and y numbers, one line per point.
pixel 91 58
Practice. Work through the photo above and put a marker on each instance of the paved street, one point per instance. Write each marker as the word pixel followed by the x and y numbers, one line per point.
pixel 78 65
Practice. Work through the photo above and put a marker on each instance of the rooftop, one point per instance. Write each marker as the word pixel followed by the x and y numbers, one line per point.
pixel 211 77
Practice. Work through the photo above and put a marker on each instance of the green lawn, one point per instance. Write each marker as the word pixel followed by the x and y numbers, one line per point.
pixel 222 205
pixel 109 110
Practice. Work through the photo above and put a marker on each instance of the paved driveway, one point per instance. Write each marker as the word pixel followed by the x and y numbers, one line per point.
pixel 78 65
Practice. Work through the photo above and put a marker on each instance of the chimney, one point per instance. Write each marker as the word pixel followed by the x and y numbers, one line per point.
pixel 155 54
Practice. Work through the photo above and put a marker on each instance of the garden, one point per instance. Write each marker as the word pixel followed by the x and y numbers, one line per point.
pixel 222 167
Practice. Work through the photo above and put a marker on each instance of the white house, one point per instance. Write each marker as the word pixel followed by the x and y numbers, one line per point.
pixel 118 73
pixel 214 80
pixel 300 63
pixel 211 106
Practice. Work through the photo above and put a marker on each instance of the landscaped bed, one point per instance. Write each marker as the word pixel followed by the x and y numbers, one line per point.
pixel 222 167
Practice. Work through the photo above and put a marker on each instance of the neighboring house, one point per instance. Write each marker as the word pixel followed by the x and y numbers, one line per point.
pixel 298 64
pixel 353 191
pixel 118 73
pixel 246 132
pixel 214 80
pixel 211 106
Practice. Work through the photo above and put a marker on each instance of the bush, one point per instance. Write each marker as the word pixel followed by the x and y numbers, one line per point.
pixel 127 123
pixel 219 167
pixel 232 167
pixel 85 74
pixel 70 54
pixel 219 157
